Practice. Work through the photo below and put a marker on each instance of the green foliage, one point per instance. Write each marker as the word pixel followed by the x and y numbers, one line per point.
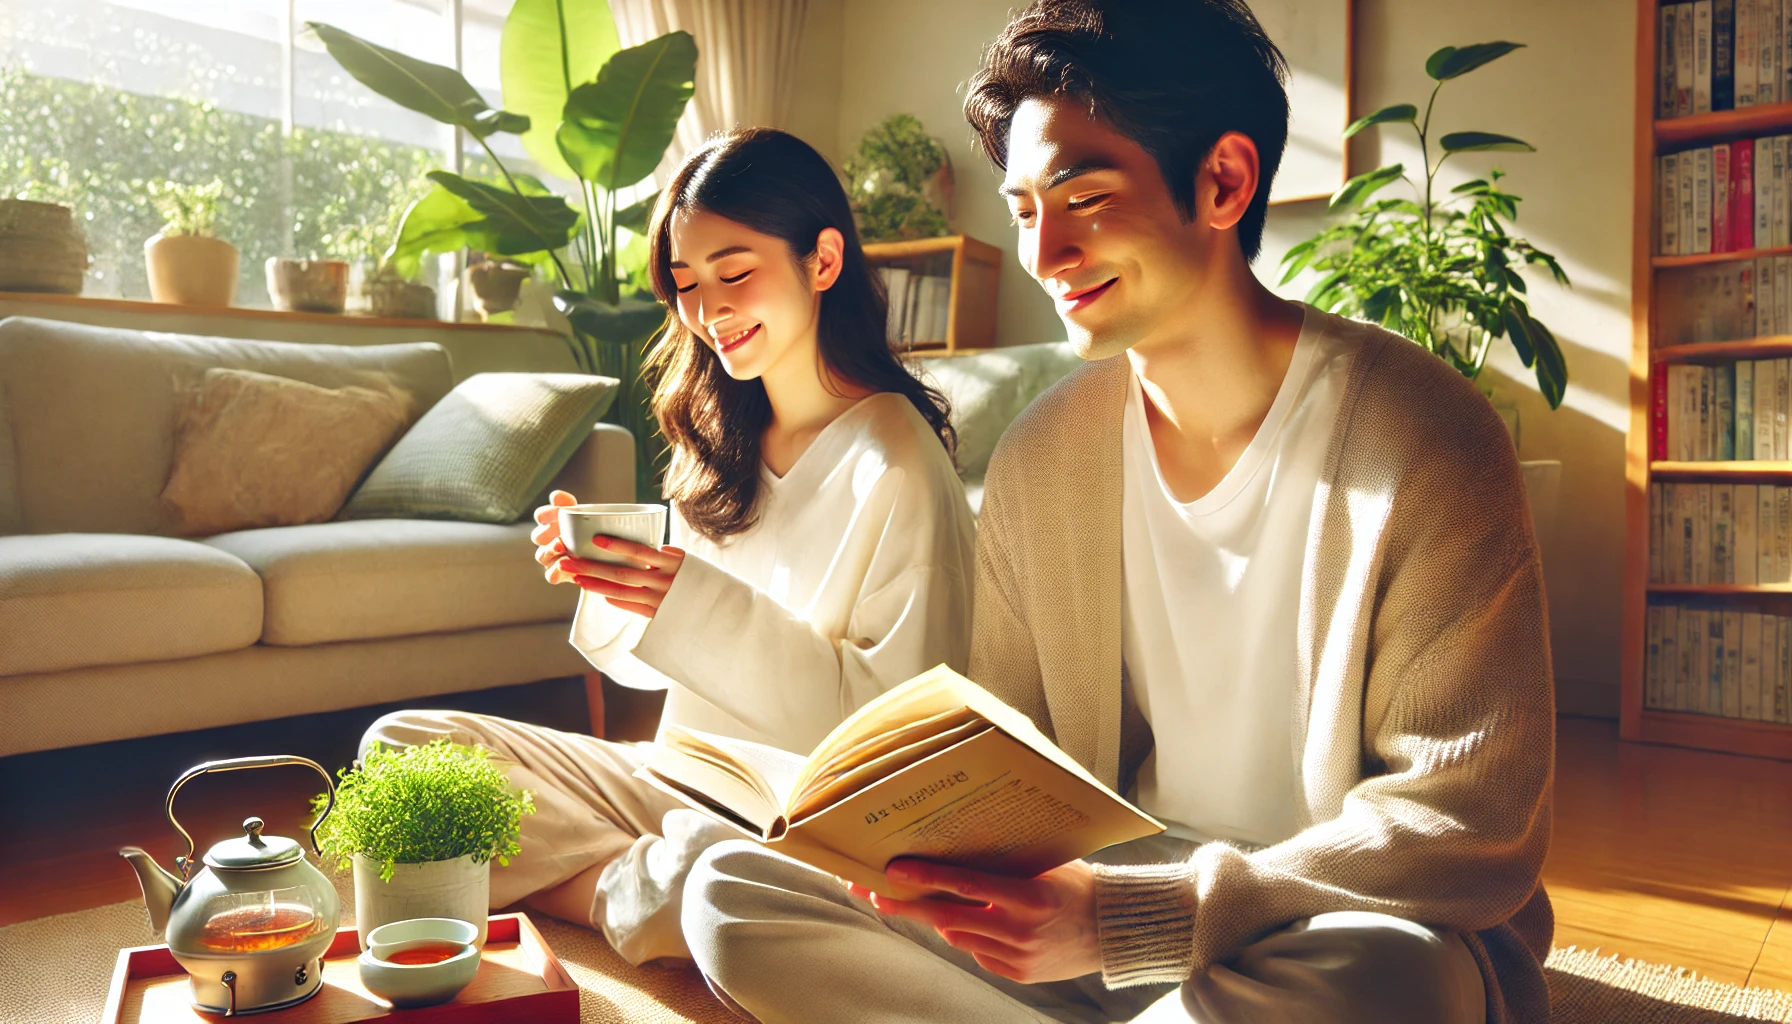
pixel 886 178
pixel 1444 273
pixel 548 47
pixel 185 209
pixel 611 131
pixel 89 147
pixel 413 805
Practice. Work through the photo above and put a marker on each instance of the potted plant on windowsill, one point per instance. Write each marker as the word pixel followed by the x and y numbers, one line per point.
pixel 420 826
pixel 187 263
pixel 586 111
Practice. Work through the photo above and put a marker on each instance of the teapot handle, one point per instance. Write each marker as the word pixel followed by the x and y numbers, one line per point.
pixel 236 764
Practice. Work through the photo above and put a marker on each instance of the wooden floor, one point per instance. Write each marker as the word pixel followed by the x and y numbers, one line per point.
pixel 1672 856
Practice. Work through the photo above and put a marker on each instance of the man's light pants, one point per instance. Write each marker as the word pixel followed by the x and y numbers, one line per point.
pixel 789 944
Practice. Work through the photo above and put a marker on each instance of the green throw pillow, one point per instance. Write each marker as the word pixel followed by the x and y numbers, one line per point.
pixel 486 451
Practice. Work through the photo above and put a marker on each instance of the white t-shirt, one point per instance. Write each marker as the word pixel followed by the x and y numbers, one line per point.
pixel 1209 605
pixel 856 577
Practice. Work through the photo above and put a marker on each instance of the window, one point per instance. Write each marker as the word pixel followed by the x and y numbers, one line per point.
pixel 100 97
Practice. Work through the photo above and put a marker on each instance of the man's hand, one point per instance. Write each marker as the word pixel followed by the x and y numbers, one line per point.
pixel 1027 929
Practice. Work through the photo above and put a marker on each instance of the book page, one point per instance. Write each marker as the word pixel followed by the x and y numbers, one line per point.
pixel 744 778
pixel 991 802
pixel 828 790
pixel 820 771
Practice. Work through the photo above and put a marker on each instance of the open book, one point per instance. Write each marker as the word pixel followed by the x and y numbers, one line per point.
pixel 936 768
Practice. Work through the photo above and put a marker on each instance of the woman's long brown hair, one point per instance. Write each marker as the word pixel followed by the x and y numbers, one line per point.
pixel 776 184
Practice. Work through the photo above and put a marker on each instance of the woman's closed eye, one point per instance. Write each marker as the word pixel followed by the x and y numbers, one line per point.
pixel 738 278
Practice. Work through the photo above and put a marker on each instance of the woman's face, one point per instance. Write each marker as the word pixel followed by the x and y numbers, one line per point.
pixel 742 294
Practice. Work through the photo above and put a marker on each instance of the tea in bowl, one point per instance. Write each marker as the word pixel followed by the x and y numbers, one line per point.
pixel 419 962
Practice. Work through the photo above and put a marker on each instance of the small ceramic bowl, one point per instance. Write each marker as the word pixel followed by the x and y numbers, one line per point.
pixel 389 938
pixel 405 985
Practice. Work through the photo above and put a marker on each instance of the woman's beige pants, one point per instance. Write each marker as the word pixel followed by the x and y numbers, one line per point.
pixel 589 809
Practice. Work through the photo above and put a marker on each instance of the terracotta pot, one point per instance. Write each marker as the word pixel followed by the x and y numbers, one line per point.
pixel 390 296
pixel 495 286
pixel 192 270
pixel 311 286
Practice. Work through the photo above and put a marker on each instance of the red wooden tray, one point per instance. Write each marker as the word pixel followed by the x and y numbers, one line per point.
pixel 519 979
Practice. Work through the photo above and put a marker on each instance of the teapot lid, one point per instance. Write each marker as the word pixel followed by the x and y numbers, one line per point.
pixel 254 850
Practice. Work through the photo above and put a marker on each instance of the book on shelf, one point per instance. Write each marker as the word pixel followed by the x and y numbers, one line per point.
pixel 1727 197
pixel 1726 661
pixel 1718 533
pixel 1722 55
pixel 935 768
pixel 920 306
pixel 1723 413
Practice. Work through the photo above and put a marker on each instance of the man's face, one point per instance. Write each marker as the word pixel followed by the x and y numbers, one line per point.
pixel 1097 227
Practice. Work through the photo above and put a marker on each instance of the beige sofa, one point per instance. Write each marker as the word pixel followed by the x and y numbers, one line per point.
pixel 110 628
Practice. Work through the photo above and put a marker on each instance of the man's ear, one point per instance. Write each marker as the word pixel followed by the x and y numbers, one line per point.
pixel 1232 165
pixel 824 266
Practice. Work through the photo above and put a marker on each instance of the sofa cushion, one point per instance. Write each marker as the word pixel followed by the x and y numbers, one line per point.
pixel 87 413
pixel 486 452
pixel 254 450
pixel 371 578
pixel 74 600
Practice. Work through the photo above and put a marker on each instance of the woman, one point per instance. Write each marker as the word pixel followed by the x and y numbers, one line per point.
pixel 821 543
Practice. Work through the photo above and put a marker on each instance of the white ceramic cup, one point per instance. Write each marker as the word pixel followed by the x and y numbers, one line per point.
pixel 643 524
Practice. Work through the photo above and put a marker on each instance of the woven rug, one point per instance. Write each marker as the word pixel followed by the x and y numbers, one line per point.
pixel 56 969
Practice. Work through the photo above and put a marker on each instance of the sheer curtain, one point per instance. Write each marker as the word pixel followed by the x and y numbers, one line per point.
pixel 746 60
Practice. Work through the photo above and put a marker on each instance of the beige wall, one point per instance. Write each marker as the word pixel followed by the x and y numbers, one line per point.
pixel 1568 93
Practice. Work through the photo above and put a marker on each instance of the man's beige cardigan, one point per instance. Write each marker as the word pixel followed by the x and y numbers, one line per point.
pixel 1424 714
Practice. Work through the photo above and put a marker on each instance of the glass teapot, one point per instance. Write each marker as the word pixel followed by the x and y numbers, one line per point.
pixel 252 927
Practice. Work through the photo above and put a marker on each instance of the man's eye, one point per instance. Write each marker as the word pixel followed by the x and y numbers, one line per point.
pixel 736 279
pixel 1022 216
pixel 1086 202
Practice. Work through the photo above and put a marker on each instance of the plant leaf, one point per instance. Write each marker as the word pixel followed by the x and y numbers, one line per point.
pixel 535 80
pixel 1473 142
pixel 635 216
pixel 1434 64
pixel 1364 185
pixel 614 131
pixel 1390 114
pixel 430 89
pixel 1453 62
pixel 1477 187
pixel 437 223
pixel 1552 366
pixel 513 225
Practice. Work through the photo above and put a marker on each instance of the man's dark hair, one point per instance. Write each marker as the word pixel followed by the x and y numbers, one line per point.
pixel 1171 75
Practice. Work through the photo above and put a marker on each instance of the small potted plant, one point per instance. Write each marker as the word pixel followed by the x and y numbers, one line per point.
pixel 307 286
pixel 187 263
pixel 899 182
pixel 420 826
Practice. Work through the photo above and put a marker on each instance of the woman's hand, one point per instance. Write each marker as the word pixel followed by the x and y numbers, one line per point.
pixel 1027 929
pixel 638 588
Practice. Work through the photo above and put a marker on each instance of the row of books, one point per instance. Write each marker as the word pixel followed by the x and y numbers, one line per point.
pixel 1731 301
pixel 1730 197
pixel 1716 660
pixel 1704 533
pixel 1722 54
pixel 1731 412
pixel 920 306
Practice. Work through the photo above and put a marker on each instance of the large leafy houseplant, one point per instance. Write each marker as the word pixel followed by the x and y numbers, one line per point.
pixel 585 110
pixel 1443 272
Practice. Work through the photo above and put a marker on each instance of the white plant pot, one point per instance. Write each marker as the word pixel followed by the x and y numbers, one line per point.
pixel 455 888
pixel 192 270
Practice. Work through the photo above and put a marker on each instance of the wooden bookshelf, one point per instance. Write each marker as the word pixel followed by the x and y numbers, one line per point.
pixel 1774 347
pixel 974 268
pixel 1637 723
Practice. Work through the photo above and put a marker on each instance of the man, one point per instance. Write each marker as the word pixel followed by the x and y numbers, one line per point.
pixel 1291 549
